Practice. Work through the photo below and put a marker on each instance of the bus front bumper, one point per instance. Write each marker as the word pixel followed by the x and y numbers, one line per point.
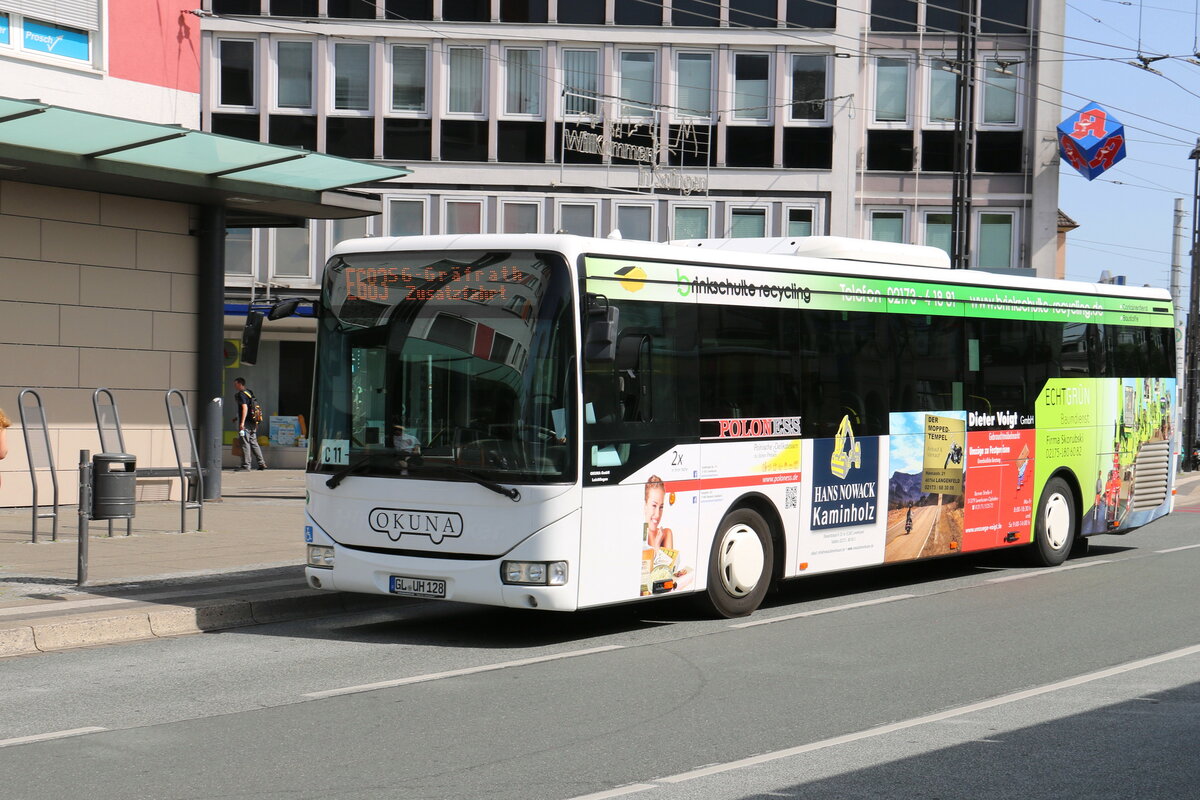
pixel 466 581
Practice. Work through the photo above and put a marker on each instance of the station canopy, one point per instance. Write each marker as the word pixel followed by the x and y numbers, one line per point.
pixel 258 184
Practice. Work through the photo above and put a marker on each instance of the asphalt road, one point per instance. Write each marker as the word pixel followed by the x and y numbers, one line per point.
pixel 970 677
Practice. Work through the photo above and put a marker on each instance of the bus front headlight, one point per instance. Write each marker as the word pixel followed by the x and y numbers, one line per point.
pixel 534 573
pixel 319 556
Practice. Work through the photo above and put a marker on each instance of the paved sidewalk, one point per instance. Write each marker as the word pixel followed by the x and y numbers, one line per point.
pixel 244 568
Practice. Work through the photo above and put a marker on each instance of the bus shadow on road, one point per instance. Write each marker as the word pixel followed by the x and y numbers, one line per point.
pixel 469 626
pixel 1143 747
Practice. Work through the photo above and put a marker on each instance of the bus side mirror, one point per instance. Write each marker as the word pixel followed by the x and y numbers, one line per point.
pixel 250 336
pixel 282 309
pixel 600 338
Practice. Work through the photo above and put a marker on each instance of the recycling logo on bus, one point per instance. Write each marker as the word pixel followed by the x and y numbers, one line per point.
pixel 845 479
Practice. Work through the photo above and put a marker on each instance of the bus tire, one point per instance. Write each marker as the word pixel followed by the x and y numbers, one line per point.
pixel 740 564
pixel 1056 526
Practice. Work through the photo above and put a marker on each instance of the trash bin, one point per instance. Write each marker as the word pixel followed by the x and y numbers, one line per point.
pixel 114 484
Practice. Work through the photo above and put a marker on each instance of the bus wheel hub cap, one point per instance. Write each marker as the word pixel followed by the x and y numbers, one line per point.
pixel 1058 521
pixel 741 560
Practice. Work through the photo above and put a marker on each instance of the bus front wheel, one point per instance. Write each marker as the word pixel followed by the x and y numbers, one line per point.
pixel 739 564
pixel 1056 525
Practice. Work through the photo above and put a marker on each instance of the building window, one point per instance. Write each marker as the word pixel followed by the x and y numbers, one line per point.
pixel 946 16
pixel 751 145
pixel 637 83
pixel 800 221
pixel 751 86
pixel 523 93
pixel 939 229
pixel 691 222
pixel 891 89
pixel 888 226
pixel 519 218
pixel 937 151
pixel 695 13
pixel 351 76
pixel 637 12
pixel 581 78
pixel 465 83
pixel 405 10
pixel 636 222
pixel 294 66
pixel 943 91
pixel 236 73
pixel 999 151
pixel 466 10
pixel 1004 16
pixel 694 79
pixel 999 93
pixel 809 87
pixel 464 216
pixel 409 78
pixel 523 10
pixel 581 12
pixel 355 228
pixel 464 140
pixel 747 223
pixel 577 218
pixel 808 147
pixel 995 239
pixel 290 253
pixel 239 251
pixel 406 217
pixel 811 14
pixel 752 13
pixel 351 9
pixel 890 151
pixel 894 15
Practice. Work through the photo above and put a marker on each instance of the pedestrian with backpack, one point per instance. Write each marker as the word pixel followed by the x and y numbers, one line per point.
pixel 249 416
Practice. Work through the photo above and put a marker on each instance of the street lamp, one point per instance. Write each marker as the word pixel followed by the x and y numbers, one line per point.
pixel 1192 340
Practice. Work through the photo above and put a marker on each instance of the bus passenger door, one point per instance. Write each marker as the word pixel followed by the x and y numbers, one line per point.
pixel 641 457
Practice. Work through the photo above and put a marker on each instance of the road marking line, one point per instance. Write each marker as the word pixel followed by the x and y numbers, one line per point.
pixel 68 605
pixel 818 611
pixel 619 792
pixel 940 716
pixel 1050 571
pixel 42 737
pixel 455 673
pixel 1177 549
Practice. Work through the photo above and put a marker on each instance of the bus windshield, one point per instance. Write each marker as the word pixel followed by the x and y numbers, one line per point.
pixel 452 366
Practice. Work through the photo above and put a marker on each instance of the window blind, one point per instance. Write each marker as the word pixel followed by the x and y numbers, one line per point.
pixel 72 13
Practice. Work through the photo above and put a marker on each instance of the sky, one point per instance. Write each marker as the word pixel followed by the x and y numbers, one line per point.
pixel 1126 216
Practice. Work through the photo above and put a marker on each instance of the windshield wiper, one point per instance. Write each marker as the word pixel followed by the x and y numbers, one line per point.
pixel 345 471
pixel 511 492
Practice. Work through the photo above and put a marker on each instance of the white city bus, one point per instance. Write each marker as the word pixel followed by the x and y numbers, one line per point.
pixel 557 422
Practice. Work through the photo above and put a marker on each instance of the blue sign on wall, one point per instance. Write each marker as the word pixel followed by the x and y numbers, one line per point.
pixel 845 475
pixel 42 37
pixel 4 28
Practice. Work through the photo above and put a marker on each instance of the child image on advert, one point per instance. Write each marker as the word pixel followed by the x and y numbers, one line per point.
pixel 661 570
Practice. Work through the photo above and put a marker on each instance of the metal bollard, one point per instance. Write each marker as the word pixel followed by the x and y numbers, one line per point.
pixel 85 505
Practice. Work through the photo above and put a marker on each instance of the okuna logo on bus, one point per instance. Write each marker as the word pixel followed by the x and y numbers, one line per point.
pixel 396 522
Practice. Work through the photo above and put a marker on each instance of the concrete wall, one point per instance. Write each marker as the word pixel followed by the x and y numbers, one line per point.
pixel 99 291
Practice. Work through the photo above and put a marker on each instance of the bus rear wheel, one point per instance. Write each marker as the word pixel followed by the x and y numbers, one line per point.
pixel 739 564
pixel 1056 526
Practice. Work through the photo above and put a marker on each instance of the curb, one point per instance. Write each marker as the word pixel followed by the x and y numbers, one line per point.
pixel 162 621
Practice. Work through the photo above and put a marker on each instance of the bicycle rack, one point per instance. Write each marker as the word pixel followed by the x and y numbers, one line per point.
pixel 40 455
